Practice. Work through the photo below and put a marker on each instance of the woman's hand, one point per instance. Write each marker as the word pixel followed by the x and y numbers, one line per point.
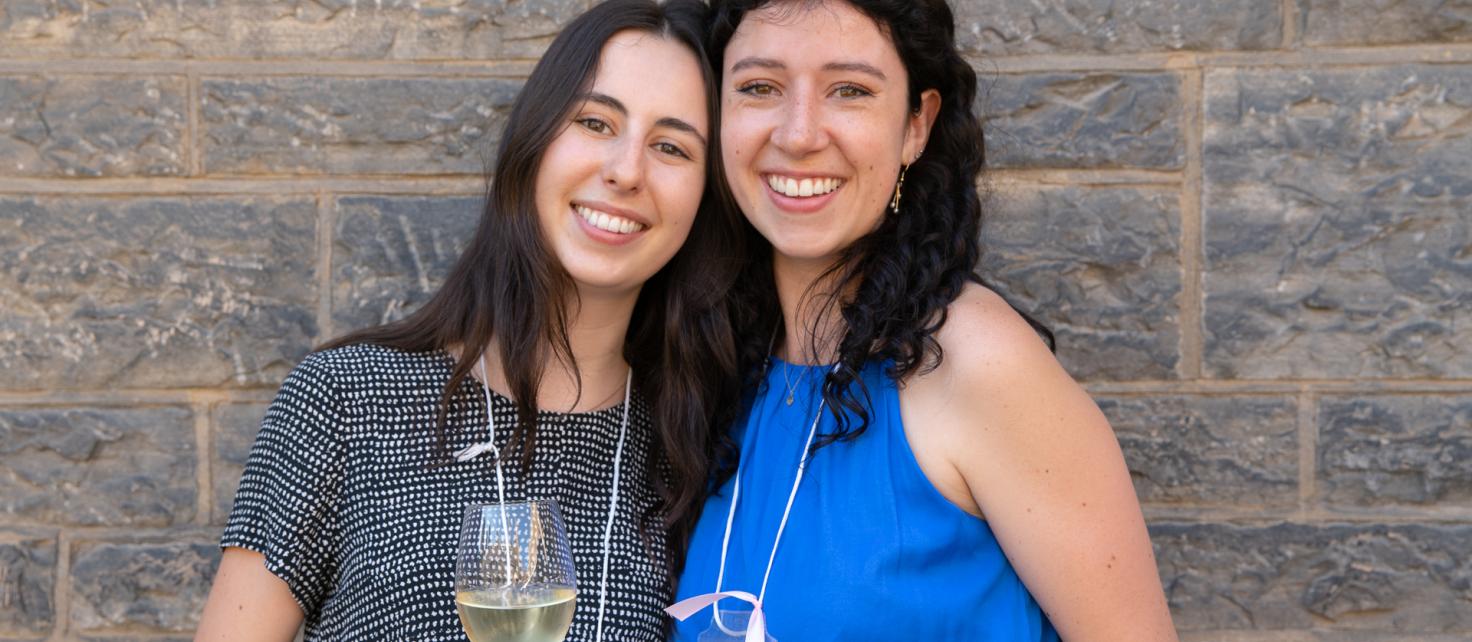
pixel 248 603
pixel 1006 434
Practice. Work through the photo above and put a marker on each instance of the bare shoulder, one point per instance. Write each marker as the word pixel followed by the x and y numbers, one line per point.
pixel 986 343
pixel 1005 433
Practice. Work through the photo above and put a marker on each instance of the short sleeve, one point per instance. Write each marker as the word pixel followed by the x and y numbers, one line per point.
pixel 287 507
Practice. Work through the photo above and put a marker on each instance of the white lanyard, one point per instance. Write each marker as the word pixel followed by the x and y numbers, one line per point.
pixel 471 452
pixel 756 625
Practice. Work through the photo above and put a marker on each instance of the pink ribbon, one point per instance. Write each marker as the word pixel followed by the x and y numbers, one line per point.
pixel 756 627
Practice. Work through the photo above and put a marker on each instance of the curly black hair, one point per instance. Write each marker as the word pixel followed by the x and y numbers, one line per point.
pixel 916 262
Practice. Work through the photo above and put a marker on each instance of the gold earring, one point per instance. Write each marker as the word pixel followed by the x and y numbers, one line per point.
pixel 895 203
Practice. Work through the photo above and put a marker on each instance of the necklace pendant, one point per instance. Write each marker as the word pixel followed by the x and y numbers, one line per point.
pixel 789 400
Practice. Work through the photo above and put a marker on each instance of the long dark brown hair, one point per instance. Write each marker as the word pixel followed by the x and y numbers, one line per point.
pixel 507 287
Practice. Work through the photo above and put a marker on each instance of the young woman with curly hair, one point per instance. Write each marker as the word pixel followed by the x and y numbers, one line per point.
pixel 913 462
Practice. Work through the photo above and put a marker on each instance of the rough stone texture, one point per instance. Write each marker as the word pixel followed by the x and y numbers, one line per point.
pixel 1382 450
pixel 392 253
pixel 314 30
pixel 353 125
pixel 1099 267
pixel 1082 120
pixel 27 581
pixel 1383 22
pixel 1014 27
pixel 154 291
pixel 1394 579
pixel 1336 224
pixel 154 586
pixel 1194 450
pixel 91 126
pixel 233 428
pixel 97 466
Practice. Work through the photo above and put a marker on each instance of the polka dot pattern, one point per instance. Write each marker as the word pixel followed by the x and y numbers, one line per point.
pixel 345 497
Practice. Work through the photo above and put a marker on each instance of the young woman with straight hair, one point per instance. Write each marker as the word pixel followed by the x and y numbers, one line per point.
pixel 584 320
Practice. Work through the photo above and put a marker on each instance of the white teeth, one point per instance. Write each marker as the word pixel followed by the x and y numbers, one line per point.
pixel 608 222
pixel 803 188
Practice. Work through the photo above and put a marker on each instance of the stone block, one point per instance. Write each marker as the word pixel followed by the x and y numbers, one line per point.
pixel 91 126
pixel 27 582
pixel 1336 226
pixel 1199 450
pixel 98 466
pixel 397 126
pixel 1082 120
pixel 1356 23
pixel 1379 450
pixel 1099 266
pixel 1406 579
pixel 141 586
pixel 154 291
pixel 267 29
pixel 233 428
pixel 1021 27
pixel 392 253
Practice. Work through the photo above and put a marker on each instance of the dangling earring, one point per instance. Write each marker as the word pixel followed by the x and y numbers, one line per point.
pixel 894 204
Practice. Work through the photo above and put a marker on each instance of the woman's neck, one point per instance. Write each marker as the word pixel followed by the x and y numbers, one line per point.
pixel 597 328
pixel 807 311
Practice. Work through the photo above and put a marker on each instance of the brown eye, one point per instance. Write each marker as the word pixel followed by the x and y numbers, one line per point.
pixel 852 91
pixel 594 125
pixel 671 149
pixel 759 89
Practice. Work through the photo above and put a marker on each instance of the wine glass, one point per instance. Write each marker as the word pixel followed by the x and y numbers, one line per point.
pixel 514 578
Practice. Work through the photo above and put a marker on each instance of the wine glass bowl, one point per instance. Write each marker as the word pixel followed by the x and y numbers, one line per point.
pixel 514 577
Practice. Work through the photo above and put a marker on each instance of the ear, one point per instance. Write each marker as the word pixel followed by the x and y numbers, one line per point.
pixel 917 129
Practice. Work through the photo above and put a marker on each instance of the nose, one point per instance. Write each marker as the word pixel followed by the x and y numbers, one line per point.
pixel 801 130
pixel 623 170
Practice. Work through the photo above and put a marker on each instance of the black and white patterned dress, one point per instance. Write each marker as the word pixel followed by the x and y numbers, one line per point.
pixel 342 496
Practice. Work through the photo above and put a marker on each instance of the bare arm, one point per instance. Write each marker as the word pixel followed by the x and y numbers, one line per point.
pixel 1022 444
pixel 248 603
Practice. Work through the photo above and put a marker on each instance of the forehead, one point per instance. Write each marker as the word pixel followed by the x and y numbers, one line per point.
pixel 826 28
pixel 649 72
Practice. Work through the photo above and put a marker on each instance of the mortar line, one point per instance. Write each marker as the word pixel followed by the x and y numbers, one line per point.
pixel 462 185
pixel 1161 62
pixel 1095 177
pixel 1291 16
pixel 135 398
pixel 520 68
pixel 62 592
pixel 196 156
pixel 326 231
pixel 506 68
pixel 1308 443
pixel 1192 298
pixel 204 504
pixel 1291 386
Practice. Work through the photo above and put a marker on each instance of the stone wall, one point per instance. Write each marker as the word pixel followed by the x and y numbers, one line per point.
pixel 1249 222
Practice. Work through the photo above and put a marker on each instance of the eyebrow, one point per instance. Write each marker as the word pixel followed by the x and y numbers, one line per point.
pixel 769 63
pixel 668 121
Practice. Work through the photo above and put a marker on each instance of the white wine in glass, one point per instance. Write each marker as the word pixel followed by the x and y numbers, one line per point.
pixel 514 578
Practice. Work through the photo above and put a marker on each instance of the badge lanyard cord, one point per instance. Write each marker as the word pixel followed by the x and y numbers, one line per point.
pixel 802 465
pixel 471 452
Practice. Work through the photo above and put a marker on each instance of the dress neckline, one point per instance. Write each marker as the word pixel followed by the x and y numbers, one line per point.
pixel 613 412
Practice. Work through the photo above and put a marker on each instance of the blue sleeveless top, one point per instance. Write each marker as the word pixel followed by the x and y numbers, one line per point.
pixel 872 551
